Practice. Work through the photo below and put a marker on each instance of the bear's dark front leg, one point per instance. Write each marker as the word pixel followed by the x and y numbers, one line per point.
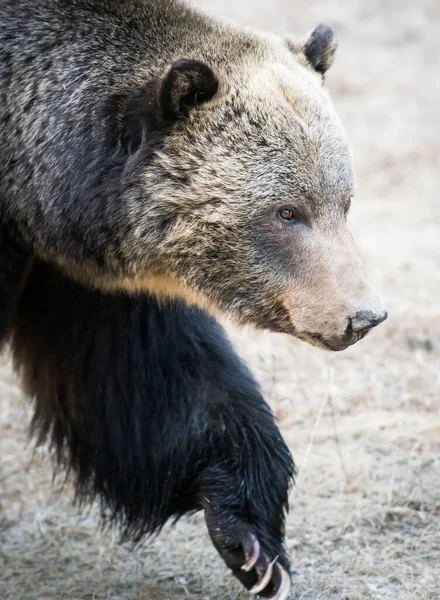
pixel 15 261
pixel 156 416
pixel 244 488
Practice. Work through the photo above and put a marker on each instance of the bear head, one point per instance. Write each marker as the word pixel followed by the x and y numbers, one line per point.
pixel 248 180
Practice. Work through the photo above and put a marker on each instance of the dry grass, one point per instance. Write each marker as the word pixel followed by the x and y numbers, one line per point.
pixel 364 425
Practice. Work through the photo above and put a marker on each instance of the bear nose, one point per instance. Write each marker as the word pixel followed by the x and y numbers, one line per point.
pixel 366 320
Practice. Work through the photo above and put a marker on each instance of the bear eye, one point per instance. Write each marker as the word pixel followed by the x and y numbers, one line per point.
pixel 347 207
pixel 286 214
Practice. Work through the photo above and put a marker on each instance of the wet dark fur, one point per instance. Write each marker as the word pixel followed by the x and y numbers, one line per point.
pixel 15 261
pixel 150 408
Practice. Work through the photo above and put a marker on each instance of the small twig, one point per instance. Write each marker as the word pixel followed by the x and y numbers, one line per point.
pixel 390 488
pixel 336 436
pixel 302 381
pixel 315 427
pixel 272 381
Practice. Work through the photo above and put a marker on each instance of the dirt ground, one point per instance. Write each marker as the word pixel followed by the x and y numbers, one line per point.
pixel 364 425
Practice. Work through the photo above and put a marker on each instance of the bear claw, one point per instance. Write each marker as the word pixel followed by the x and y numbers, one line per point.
pixel 282 585
pixel 264 581
pixel 252 554
pixel 279 580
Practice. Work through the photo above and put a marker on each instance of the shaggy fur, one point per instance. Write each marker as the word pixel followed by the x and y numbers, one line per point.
pixel 147 157
pixel 15 262
pixel 144 146
pixel 153 412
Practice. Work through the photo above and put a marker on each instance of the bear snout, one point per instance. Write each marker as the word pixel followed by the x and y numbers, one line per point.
pixel 357 328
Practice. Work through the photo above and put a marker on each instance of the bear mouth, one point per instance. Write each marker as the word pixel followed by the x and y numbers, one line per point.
pixel 336 345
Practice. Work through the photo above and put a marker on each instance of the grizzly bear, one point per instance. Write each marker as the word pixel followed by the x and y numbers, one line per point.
pixel 159 168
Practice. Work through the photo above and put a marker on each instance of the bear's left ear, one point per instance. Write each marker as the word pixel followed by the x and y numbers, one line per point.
pixel 319 48
pixel 161 101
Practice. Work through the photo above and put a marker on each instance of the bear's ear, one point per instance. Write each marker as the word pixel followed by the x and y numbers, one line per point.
pixel 186 84
pixel 319 48
pixel 160 102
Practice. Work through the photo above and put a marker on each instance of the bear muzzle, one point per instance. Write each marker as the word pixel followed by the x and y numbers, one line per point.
pixel 334 325
pixel 357 327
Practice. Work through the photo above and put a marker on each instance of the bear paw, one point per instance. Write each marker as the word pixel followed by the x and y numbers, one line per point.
pixel 237 543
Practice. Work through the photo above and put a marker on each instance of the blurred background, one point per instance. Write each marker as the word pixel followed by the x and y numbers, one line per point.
pixel 364 425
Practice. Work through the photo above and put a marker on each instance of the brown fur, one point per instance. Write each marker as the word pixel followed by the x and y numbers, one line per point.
pixel 154 151
pixel 147 148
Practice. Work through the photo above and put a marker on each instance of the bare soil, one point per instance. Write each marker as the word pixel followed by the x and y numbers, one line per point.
pixel 364 425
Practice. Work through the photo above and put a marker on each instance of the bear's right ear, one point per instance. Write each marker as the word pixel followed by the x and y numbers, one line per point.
pixel 163 100
pixel 187 83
